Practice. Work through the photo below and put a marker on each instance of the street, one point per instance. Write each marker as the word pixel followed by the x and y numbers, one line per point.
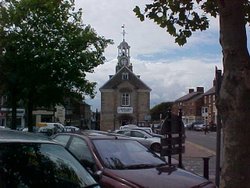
pixel 206 140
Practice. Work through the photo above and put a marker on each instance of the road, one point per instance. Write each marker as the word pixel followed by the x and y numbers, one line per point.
pixel 205 140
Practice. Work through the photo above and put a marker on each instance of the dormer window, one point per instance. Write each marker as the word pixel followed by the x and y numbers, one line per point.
pixel 125 76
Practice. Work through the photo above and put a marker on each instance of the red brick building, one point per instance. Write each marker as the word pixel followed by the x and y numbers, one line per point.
pixel 191 105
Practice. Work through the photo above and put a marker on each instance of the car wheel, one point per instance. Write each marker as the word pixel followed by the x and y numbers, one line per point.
pixel 156 147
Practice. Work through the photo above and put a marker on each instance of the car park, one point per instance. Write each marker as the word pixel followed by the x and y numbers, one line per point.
pixel 122 162
pixel 28 160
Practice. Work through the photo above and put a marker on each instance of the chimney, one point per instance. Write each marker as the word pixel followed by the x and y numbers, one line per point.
pixel 191 91
pixel 214 82
pixel 200 89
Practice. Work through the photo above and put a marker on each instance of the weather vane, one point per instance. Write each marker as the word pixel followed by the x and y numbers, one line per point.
pixel 123 32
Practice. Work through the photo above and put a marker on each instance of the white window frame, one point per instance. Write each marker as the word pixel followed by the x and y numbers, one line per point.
pixel 125 99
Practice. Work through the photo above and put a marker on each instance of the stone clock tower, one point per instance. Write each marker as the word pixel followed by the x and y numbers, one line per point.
pixel 123 54
pixel 125 98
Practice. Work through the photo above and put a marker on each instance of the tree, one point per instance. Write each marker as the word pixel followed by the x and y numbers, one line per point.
pixel 181 18
pixel 46 51
pixel 160 111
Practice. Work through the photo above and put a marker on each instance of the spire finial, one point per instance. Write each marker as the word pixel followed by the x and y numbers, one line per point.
pixel 123 32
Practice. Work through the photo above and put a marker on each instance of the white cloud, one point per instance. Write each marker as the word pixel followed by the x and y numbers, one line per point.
pixel 169 70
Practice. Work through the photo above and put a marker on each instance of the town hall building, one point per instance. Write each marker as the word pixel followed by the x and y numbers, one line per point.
pixel 125 98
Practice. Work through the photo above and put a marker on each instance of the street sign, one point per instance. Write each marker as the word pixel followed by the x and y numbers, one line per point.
pixel 174 136
pixel 173 125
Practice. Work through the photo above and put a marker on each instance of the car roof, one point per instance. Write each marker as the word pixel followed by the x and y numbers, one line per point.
pixel 138 130
pixel 95 134
pixel 13 136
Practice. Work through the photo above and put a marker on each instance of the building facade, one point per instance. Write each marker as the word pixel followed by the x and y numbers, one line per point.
pixel 191 105
pixel 125 98
pixel 209 110
pixel 74 112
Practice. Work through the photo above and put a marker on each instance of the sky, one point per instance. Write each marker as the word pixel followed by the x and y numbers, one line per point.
pixel 168 69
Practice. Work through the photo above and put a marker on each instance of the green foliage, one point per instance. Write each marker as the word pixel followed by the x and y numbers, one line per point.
pixel 162 109
pixel 47 50
pixel 180 18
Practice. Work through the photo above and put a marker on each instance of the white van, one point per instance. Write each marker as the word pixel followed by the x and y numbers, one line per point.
pixel 50 128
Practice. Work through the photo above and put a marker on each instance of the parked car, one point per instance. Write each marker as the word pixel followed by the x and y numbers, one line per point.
pixel 123 162
pixel 70 129
pixel 50 129
pixel 190 126
pixel 29 160
pixel 4 127
pixel 212 127
pixel 150 133
pixel 132 126
pixel 199 127
pixel 128 126
pixel 145 138
pixel 156 128
pixel 26 129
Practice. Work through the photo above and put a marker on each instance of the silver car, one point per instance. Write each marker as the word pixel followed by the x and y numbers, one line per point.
pixel 143 137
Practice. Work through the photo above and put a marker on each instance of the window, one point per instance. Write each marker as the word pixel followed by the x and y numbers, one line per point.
pixel 125 76
pixel 125 99
pixel 204 109
pixel 32 165
pixel 137 134
pixel 62 139
pixel 81 150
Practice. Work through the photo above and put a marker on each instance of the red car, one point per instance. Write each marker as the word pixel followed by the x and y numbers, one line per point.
pixel 125 163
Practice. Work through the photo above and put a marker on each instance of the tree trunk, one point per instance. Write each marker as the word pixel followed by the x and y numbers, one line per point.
pixel 234 99
pixel 29 113
pixel 13 107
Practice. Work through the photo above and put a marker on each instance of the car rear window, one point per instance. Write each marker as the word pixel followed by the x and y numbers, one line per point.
pixel 123 153
pixel 35 165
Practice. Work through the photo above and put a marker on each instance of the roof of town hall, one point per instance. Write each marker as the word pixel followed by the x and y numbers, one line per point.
pixel 116 79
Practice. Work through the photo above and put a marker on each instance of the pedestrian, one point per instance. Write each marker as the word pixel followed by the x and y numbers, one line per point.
pixel 206 129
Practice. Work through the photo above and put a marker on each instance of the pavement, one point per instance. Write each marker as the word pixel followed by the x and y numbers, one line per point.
pixel 192 159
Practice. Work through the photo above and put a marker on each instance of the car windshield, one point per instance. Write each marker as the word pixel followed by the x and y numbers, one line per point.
pixel 126 154
pixel 33 165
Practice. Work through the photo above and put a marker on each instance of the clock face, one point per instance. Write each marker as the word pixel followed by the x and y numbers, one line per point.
pixel 124 61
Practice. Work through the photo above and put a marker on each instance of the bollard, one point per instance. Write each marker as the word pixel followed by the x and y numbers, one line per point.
pixel 206 167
